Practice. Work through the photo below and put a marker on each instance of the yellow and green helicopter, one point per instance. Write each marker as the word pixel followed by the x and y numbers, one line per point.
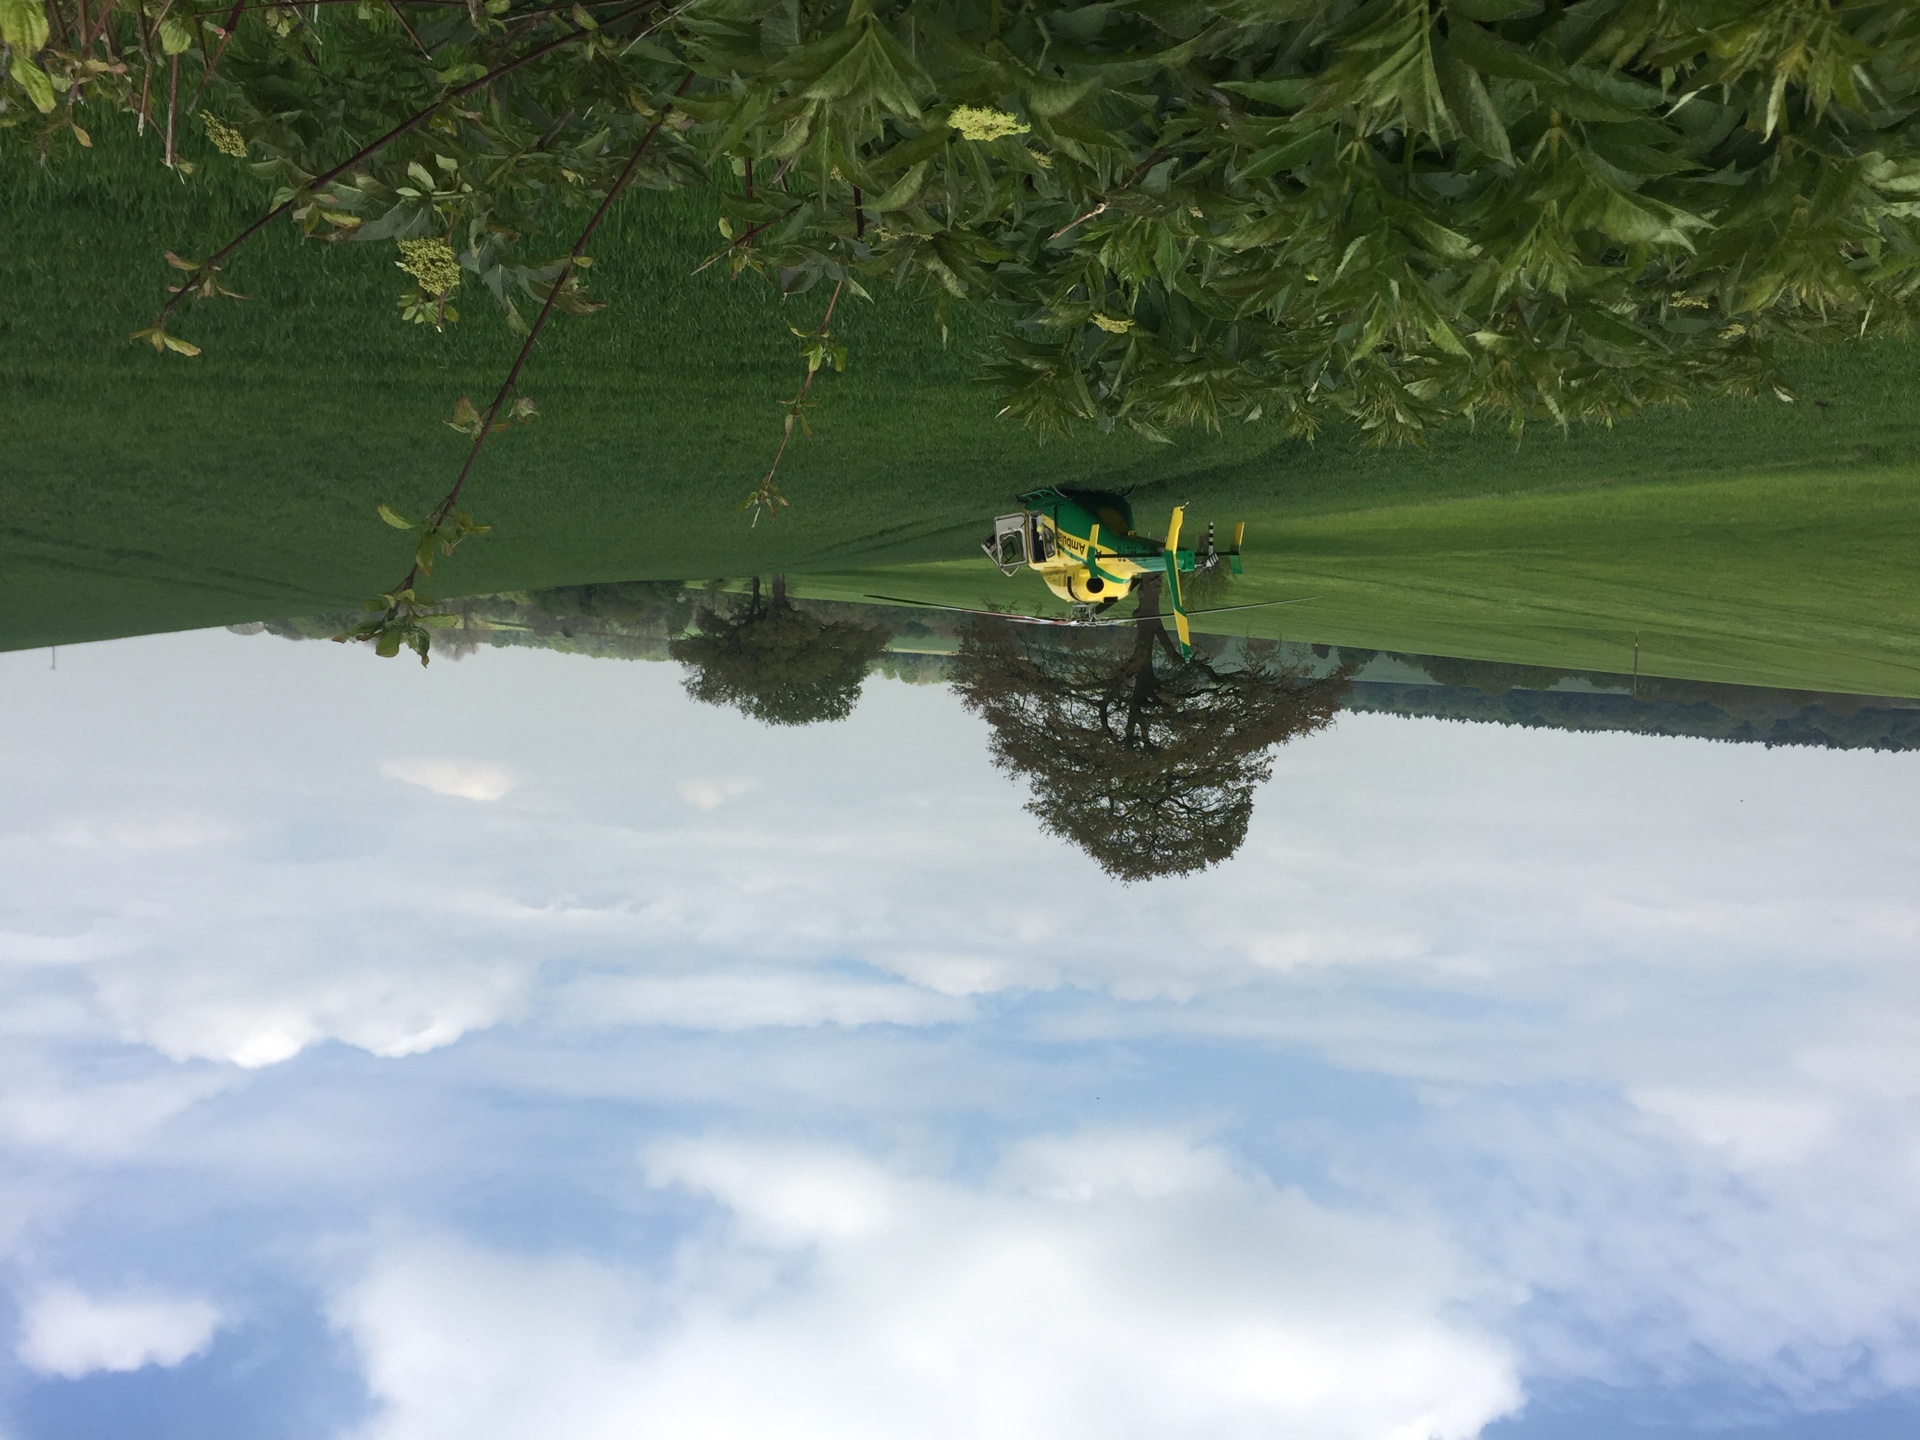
pixel 1085 547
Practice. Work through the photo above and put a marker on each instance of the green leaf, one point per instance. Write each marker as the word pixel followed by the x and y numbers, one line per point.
pixel 1049 98
pixel 34 81
pixel 1489 54
pixel 1284 156
pixel 1082 25
pixel 1289 94
pixel 176 37
pixel 902 191
pixel 465 417
pixel 1632 223
pixel 912 152
pixel 1489 11
pixel 1471 106
pixel 1618 89
pixel 23 25
pixel 393 518
pixel 1445 243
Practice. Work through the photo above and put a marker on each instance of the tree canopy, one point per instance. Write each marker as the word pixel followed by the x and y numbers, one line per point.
pixel 1145 761
pixel 1186 211
pixel 776 662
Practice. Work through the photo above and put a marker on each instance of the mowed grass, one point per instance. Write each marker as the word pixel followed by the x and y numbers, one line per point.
pixel 1804 581
pixel 1752 541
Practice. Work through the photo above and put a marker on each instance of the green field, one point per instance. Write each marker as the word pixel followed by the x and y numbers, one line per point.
pixel 1754 541
pixel 1797 580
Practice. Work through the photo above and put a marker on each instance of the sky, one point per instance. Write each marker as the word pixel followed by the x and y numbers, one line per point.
pixel 516 1047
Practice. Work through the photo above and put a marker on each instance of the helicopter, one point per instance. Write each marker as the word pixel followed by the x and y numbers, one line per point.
pixel 1085 547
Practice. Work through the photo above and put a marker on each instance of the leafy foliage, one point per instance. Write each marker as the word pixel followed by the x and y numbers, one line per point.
pixel 1145 761
pixel 442 532
pixel 400 620
pixel 1396 211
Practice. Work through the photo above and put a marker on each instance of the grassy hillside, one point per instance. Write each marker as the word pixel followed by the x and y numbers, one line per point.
pixel 1754 541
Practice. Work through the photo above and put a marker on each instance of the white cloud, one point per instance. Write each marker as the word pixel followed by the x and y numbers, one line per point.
pixel 86 1117
pixel 265 999
pixel 792 1194
pixel 1752 1127
pixel 711 794
pixel 465 780
pixel 1112 1287
pixel 1655 1252
pixel 1084 1168
pixel 138 833
pixel 746 1000
pixel 68 1333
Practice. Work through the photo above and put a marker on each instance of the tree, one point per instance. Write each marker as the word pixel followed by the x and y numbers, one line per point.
pixel 1489 677
pixel 1145 761
pixel 1393 211
pixel 657 607
pixel 777 663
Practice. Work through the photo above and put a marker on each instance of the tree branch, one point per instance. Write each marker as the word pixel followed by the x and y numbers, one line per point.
pixel 765 497
pixel 412 122
pixel 445 508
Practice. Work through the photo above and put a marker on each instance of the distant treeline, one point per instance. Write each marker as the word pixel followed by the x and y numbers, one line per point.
pixel 1796 722
pixel 637 620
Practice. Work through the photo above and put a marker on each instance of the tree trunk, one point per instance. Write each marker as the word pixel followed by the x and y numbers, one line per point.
pixel 1149 631
pixel 1149 617
pixel 1149 592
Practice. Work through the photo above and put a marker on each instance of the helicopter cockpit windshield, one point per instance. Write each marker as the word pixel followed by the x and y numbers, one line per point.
pixel 1007 546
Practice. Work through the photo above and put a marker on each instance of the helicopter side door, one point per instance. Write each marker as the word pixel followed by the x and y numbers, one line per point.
pixel 1008 547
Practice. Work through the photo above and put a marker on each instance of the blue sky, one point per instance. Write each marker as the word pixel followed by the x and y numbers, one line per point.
pixel 517 1048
